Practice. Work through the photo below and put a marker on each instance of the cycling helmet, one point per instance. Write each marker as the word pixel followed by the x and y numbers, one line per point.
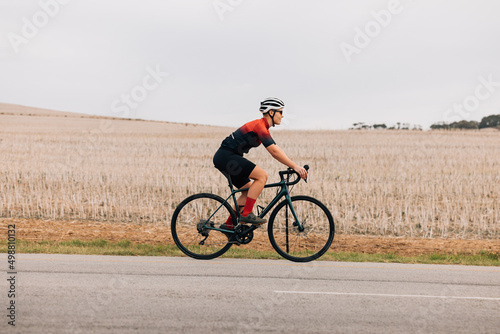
pixel 271 103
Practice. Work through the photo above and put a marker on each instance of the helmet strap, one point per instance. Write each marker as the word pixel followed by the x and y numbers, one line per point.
pixel 272 117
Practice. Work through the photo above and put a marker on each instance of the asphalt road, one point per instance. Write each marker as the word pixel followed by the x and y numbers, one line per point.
pixel 111 294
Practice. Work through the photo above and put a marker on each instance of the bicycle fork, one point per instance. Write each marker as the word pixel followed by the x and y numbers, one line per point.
pixel 296 222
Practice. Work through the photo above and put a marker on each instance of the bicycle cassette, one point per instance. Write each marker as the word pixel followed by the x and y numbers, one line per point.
pixel 203 230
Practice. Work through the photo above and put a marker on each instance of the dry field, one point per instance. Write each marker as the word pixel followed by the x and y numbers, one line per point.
pixel 379 183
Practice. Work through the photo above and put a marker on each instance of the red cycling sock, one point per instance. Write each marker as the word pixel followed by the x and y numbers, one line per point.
pixel 248 206
pixel 229 222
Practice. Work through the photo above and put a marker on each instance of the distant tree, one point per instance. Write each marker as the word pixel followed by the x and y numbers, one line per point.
pixel 492 121
pixel 440 126
pixel 357 126
pixel 360 125
pixel 466 125
pixel 382 126
pixel 460 125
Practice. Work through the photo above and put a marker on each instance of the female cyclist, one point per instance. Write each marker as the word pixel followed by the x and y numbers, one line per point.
pixel 244 173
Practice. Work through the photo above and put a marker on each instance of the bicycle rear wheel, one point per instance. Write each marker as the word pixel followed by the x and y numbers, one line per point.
pixel 191 223
pixel 308 245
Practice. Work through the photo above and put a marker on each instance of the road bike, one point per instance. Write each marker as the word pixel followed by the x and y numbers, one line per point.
pixel 300 228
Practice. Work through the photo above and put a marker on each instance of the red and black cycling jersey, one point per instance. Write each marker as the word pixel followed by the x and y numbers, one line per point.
pixel 252 134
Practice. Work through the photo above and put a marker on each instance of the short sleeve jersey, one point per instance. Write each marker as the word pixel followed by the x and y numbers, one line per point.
pixel 252 134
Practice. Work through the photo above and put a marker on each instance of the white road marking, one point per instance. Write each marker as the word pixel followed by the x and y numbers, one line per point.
pixel 383 295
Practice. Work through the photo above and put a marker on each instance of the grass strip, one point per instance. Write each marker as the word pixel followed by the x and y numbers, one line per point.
pixel 126 247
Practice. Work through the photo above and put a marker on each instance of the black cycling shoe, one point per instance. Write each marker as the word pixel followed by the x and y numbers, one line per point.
pixel 252 219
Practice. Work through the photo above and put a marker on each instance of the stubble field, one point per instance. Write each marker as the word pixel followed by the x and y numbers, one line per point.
pixel 376 183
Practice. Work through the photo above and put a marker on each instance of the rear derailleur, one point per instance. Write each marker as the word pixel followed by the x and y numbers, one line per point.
pixel 203 230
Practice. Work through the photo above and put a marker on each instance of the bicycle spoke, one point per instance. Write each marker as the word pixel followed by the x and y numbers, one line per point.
pixel 317 234
pixel 192 225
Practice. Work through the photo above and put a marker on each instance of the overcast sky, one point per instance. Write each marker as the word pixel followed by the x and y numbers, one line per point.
pixel 211 62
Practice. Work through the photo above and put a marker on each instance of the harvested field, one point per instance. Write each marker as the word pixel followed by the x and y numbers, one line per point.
pixel 376 183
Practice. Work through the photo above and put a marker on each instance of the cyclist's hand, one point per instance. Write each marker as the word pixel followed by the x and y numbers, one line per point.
pixel 301 171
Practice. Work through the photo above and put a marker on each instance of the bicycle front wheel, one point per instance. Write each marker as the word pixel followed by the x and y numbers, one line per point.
pixel 192 222
pixel 306 245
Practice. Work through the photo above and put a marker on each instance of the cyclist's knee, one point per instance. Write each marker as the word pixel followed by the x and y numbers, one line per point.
pixel 262 176
pixel 258 174
pixel 265 176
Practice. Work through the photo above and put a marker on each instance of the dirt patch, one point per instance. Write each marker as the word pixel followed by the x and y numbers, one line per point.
pixel 37 230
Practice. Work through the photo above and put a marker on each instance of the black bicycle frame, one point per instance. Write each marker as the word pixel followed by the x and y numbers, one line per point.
pixel 283 192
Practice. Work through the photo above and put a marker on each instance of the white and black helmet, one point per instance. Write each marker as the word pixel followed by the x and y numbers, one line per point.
pixel 271 103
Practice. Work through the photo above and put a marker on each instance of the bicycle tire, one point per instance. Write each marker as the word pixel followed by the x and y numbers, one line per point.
pixel 186 218
pixel 308 245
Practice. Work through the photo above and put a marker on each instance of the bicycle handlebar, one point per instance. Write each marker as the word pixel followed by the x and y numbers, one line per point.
pixel 290 171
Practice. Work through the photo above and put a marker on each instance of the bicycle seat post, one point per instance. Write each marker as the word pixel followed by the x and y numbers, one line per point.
pixel 231 188
pixel 228 177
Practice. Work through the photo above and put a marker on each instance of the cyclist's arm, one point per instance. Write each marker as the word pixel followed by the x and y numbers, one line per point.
pixel 281 156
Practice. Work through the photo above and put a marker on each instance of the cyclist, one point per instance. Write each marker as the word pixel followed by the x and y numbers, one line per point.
pixel 244 173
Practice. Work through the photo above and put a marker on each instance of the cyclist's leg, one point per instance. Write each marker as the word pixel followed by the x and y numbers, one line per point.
pixel 242 171
pixel 243 197
pixel 247 198
pixel 241 200
pixel 260 178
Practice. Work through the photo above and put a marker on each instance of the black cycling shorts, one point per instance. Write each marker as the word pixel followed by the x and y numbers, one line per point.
pixel 234 165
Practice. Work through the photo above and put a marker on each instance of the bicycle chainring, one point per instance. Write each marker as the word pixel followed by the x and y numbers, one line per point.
pixel 243 235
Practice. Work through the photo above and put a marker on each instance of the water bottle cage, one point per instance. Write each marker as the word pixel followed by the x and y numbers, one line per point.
pixel 259 210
